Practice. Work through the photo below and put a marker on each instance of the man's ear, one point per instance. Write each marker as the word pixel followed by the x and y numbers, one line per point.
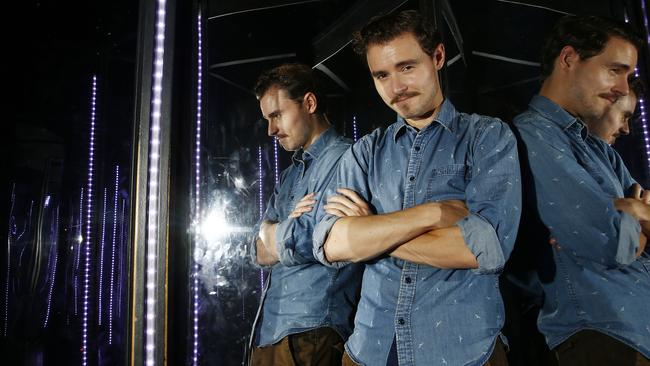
pixel 567 58
pixel 439 56
pixel 310 101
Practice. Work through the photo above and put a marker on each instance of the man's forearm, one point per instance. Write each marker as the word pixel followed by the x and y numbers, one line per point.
pixel 442 248
pixel 264 258
pixel 266 242
pixel 359 238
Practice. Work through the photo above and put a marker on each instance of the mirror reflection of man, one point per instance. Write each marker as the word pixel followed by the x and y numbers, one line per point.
pixel 306 311
pixel 430 204
pixel 616 120
pixel 596 287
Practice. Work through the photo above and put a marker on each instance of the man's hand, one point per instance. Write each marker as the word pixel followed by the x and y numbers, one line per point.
pixel 304 205
pixel 637 205
pixel 347 203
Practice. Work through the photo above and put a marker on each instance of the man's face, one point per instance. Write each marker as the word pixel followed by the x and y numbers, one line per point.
pixel 406 77
pixel 599 81
pixel 288 120
pixel 616 120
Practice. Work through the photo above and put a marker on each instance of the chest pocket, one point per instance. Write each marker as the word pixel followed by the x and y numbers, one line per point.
pixel 448 183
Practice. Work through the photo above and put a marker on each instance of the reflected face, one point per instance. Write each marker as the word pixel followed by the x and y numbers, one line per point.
pixel 406 77
pixel 599 81
pixel 289 121
pixel 616 120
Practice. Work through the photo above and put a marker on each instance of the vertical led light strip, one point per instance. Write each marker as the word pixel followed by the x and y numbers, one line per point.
pixel 355 133
pixel 86 240
pixel 644 120
pixel 261 204
pixel 641 99
pixel 197 189
pixel 101 261
pixel 276 168
pixel 153 182
pixel 121 256
pixel 56 255
pixel 114 237
pixel 9 242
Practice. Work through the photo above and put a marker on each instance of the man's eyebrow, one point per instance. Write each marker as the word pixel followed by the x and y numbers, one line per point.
pixel 397 66
pixel 273 114
pixel 620 65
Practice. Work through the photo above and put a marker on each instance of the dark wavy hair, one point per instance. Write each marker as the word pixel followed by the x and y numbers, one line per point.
pixel 385 28
pixel 296 80
pixel 587 34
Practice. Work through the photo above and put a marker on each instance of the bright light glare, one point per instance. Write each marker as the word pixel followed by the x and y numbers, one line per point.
pixel 215 226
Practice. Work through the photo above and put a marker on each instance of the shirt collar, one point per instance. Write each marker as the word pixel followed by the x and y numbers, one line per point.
pixel 315 149
pixel 553 112
pixel 445 117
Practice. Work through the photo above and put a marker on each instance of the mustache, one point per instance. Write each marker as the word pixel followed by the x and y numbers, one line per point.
pixel 396 98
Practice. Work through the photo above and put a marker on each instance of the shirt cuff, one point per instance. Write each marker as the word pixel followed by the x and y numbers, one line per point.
pixel 321 232
pixel 628 239
pixel 285 244
pixel 481 239
pixel 253 251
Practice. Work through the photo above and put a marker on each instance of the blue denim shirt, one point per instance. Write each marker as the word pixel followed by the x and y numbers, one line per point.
pixel 595 280
pixel 438 316
pixel 302 293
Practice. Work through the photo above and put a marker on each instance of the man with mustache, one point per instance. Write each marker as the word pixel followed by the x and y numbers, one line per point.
pixel 430 204
pixel 306 311
pixel 616 121
pixel 596 285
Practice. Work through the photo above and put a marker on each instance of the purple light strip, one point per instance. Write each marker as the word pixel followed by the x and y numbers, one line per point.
pixel 9 241
pixel 153 181
pixel 86 240
pixel 261 204
pixel 56 255
pixel 101 260
pixel 355 132
pixel 121 256
pixel 276 167
pixel 112 282
pixel 644 120
pixel 197 188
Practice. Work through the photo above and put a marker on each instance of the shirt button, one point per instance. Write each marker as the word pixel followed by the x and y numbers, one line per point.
pixel 417 148
pixel 401 321
pixel 291 197
pixel 407 280
pixel 411 178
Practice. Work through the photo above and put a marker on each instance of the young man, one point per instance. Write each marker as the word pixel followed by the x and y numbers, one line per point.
pixel 430 204
pixel 596 286
pixel 307 308
pixel 616 121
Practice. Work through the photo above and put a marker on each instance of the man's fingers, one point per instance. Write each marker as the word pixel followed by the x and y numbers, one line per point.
pixel 645 196
pixel 308 196
pixel 636 191
pixel 345 210
pixel 353 196
pixel 342 200
pixel 305 203
pixel 335 212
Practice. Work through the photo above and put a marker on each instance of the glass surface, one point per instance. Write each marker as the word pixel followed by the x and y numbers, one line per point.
pixel 64 272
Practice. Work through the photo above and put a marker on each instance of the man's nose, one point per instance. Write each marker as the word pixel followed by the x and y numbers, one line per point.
pixel 622 86
pixel 272 129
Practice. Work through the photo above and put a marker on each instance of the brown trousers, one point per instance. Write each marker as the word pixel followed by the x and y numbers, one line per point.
pixel 592 348
pixel 498 357
pixel 317 347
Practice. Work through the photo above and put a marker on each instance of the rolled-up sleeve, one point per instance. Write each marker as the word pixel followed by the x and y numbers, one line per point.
pixel 493 197
pixel 351 173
